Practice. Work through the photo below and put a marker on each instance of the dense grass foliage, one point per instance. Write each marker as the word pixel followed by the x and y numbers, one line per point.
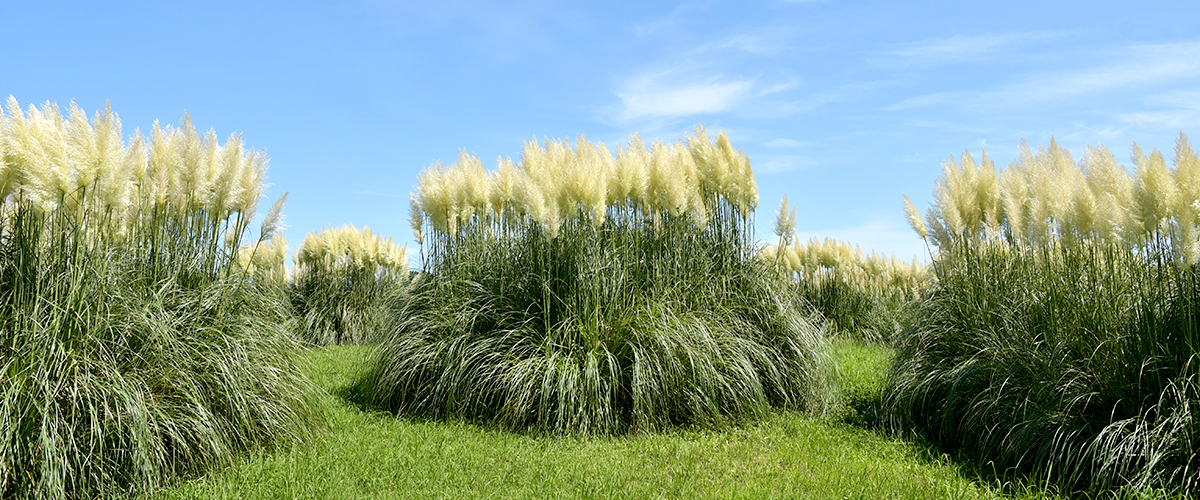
pixel 1060 340
pixel 585 293
pixel 345 283
pixel 132 351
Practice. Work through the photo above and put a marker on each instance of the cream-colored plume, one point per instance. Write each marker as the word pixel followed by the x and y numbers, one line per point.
pixel 556 183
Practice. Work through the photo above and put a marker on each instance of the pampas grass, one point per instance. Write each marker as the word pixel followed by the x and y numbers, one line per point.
pixel 345 283
pixel 1060 339
pixel 586 291
pixel 860 295
pixel 132 350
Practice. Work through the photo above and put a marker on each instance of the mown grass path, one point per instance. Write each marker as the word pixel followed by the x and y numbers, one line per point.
pixel 377 455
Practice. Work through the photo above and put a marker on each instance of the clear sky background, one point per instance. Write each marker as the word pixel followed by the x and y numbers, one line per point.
pixel 842 105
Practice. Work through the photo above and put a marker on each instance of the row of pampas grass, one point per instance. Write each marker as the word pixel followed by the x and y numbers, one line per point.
pixel 579 291
pixel 346 285
pixel 860 295
pixel 1059 340
pixel 132 349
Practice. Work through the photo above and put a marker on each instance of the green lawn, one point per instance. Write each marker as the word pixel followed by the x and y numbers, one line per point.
pixel 369 454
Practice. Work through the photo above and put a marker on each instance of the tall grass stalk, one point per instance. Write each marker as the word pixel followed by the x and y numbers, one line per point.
pixel 582 292
pixel 1060 339
pixel 131 350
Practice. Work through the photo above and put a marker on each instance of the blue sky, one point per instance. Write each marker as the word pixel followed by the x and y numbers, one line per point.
pixel 842 105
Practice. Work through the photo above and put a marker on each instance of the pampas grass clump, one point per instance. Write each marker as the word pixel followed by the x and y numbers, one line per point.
pixel 1059 340
pixel 132 349
pixel 582 291
pixel 860 295
pixel 345 283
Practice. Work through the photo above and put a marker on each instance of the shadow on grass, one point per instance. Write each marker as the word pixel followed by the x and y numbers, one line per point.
pixel 863 409
pixel 357 395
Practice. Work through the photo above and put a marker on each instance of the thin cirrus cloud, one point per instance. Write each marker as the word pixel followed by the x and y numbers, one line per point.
pixel 782 143
pixel 1128 69
pixel 959 48
pixel 658 96
pixel 1177 109
pixel 926 100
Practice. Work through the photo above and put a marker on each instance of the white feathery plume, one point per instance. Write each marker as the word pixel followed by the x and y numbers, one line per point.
pixel 1084 206
pixel 914 217
pixel 633 171
pixel 82 151
pixel 227 187
pixel 530 200
pixel 454 181
pixel 988 193
pixel 1187 168
pixel 1041 186
pixel 938 233
pixel 742 178
pixel 1113 189
pixel 433 196
pixel 661 178
pixel 714 173
pixel 502 185
pixel 1187 178
pixel 946 194
pixel 7 179
pixel 206 193
pixel 1014 194
pixel 40 146
pixel 162 159
pixel 190 150
pixel 117 173
pixel 560 188
pixel 1155 190
pixel 133 165
pixel 693 197
pixel 962 187
pixel 273 222
pixel 475 193
pixel 592 178
pixel 416 218
pixel 250 179
pixel 785 223
pixel 1059 181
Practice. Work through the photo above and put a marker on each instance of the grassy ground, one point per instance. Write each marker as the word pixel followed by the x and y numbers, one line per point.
pixel 370 454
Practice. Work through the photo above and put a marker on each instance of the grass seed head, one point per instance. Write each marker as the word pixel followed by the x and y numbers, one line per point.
pixel 1155 191
pixel 914 217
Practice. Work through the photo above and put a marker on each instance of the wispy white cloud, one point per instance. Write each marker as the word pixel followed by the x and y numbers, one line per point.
pixel 1182 109
pixel 1138 68
pixel 780 87
pixel 781 143
pixel 1131 67
pixel 773 164
pixel 722 73
pixel 747 42
pixel 663 95
pixel 924 100
pixel 959 48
